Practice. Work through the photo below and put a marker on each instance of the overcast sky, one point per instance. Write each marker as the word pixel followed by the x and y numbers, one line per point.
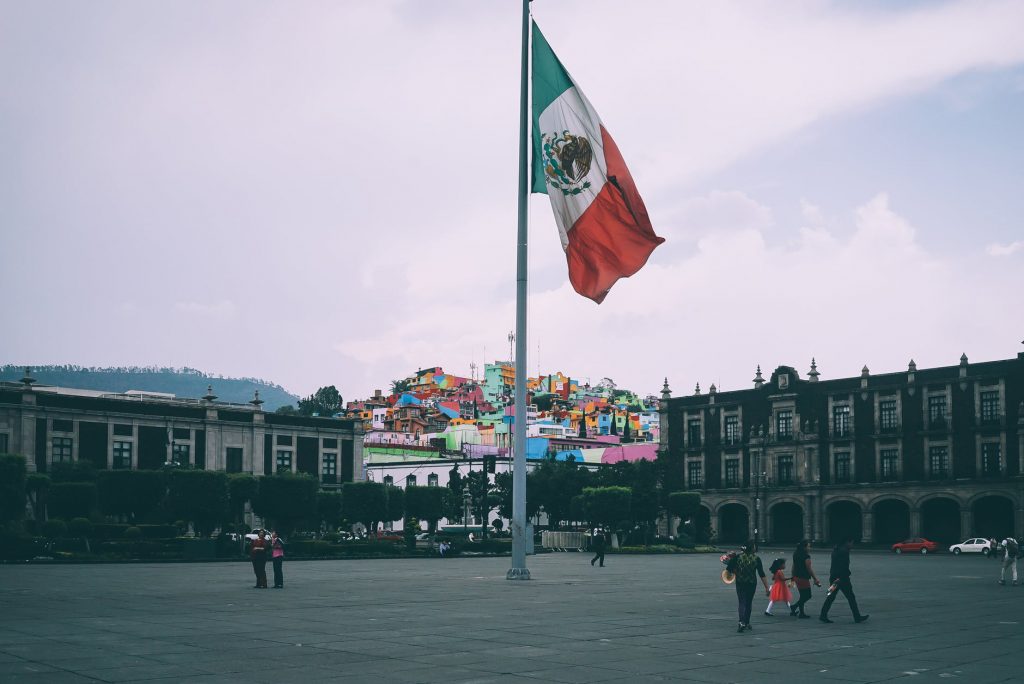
pixel 325 192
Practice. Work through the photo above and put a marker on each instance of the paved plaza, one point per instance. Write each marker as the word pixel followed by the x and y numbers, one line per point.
pixel 639 619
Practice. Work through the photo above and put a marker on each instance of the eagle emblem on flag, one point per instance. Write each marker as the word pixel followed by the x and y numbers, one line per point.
pixel 567 160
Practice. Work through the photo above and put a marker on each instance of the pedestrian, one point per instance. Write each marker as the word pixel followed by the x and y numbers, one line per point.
pixel 442 548
pixel 258 554
pixel 598 543
pixel 780 592
pixel 747 567
pixel 803 573
pixel 277 558
pixel 839 581
pixel 1010 550
pixel 993 548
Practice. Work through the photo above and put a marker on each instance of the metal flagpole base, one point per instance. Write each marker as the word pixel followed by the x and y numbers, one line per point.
pixel 518 574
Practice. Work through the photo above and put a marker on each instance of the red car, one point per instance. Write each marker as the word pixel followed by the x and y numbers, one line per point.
pixel 916 544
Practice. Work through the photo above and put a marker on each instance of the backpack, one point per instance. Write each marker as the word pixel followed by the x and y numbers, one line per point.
pixel 1012 549
pixel 746 569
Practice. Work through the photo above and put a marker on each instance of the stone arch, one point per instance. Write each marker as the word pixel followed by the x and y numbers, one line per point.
pixel 993 515
pixel 787 521
pixel 733 522
pixel 845 519
pixel 940 518
pixel 891 519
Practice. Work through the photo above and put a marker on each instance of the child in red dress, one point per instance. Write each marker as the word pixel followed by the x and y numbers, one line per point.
pixel 780 592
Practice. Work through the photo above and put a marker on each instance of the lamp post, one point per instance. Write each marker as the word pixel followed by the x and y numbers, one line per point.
pixel 760 477
pixel 466 499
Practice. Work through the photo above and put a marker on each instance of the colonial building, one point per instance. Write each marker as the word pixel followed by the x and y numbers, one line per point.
pixel 145 430
pixel 934 452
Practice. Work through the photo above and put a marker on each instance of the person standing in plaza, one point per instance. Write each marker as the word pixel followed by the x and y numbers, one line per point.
pixel 277 558
pixel 597 539
pixel 1010 551
pixel 803 573
pixel 747 567
pixel 780 592
pixel 258 554
pixel 839 581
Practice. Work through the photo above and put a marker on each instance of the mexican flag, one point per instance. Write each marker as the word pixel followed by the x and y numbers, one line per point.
pixel 602 222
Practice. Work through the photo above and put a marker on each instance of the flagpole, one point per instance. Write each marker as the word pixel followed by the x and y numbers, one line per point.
pixel 518 571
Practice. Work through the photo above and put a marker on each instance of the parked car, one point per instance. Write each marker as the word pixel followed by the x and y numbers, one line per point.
pixel 423 536
pixel 389 535
pixel 916 545
pixel 256 533
pixel 976 545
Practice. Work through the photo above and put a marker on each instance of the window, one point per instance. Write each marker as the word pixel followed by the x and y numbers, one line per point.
pixel 990 406
pixel 937 411
pixel 842 466
pixel 63 426
pixel 410 481
pixel 284 440
pixel 388 480
pixel 179 454
pixel 330 443
pixel 330 467
pixel 693 430
pixel 432 480
pixel 785 469
pixel 732 472
pixel 938 460
pixel 991 464
pixel 284 460
pixel 841 420
pixel 233 460
pixel 122 455
pixel 123 431
pixel 784 424
pixel 890 459
pixel 784 381
pixel 732 429
pixel 182 433
pixel 696 475
pixel 61 449
pixel 887 415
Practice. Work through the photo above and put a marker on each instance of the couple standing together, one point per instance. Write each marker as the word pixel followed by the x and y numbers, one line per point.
pixel 259 549
pixel 747 568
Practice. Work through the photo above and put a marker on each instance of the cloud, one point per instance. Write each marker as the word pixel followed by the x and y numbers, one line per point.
pixel 221 309
pixel 997 250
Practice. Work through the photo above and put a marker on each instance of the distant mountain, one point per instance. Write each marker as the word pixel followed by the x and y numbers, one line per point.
pixel 182 382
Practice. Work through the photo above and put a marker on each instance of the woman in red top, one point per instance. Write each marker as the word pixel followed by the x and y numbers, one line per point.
pixel 258 553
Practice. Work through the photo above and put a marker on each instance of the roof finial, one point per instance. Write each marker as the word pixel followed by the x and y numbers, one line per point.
pixel 813 375
pixel 27 380
pixel 696 390
pixel 758 380
pixel 210 396
pixel 256 401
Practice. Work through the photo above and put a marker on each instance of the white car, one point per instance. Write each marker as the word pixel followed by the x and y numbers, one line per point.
pixel 256 533
pixel 976 545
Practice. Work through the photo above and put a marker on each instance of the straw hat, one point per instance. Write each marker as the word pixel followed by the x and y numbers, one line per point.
pixel 728 577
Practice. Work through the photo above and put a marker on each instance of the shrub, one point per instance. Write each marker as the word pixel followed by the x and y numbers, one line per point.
pixel 104 531
pixel 54 529
pixel 12 487
pixel 131 493
pixel 72 499
pixel 157 531
pixel 80 527
pixel 133 534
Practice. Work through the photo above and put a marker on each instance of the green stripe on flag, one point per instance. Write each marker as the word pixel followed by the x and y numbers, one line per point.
pixel 550 79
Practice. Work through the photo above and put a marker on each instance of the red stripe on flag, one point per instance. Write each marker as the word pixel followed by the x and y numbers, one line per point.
pixel 613 238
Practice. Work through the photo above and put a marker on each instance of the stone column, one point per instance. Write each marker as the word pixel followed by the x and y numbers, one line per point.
pixel 867 534
pixel 966 522
pixel 915 522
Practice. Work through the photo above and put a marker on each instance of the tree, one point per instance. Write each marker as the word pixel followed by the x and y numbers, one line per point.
pixel 543 401
pixel 76 471
pixel 608 506
pixel 453 501
pixel 627 433
pixel 425 503
pixel 482 497
pixel 133 494
pixel 287 410
pixel 37 486
pixel 684 505
pixel 503 484
pixel 199 497
pixel 286 500
pixel 325 402
pixel 395 506
pixel 364 502
pixel 71 500
pixel 12 487
pixel 552 485
pixel 328 508
pixel 399 386
pixel 242 488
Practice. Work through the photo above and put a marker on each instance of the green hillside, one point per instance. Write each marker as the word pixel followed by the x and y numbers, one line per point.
pixel 182 382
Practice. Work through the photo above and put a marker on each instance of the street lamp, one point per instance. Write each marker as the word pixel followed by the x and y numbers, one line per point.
pixel 466 501
pixel 760 476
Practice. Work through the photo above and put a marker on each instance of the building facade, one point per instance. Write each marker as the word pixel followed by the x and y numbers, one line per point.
pixel 936 452
pixel 141 430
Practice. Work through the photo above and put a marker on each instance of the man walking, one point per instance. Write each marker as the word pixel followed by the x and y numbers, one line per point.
pixel 598 541
pixel 1010 550
pixel 839 581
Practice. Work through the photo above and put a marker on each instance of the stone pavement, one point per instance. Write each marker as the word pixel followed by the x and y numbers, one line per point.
pixel 639 619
